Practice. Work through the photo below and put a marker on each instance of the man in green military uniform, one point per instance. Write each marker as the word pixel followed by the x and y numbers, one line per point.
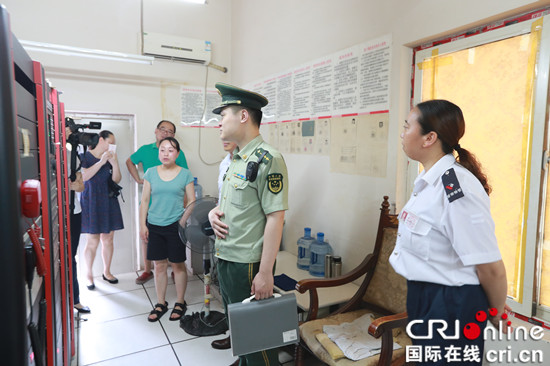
pixel 248 221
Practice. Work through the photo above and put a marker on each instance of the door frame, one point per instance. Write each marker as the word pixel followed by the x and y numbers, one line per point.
pixel 132 197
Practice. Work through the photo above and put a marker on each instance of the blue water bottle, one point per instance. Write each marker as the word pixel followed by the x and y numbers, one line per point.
pixel 304 255
pixel 319 248
pixel 198 188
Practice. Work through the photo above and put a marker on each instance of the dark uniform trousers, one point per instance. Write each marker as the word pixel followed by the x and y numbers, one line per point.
pixel 427 301
pixel 235 284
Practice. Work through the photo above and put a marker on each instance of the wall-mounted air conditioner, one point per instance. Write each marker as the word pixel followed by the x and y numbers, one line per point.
pixel 176 48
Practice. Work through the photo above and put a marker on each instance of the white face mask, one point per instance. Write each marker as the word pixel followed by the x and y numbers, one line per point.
pixel 112 147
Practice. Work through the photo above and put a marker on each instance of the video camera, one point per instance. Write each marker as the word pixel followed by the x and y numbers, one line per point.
pixel 78 137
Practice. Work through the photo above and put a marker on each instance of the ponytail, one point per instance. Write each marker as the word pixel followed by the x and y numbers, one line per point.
pixel 470 162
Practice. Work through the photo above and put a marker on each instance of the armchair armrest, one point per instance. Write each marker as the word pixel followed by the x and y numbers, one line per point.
pixel 382 327
pixel 387 323
pixel 312 284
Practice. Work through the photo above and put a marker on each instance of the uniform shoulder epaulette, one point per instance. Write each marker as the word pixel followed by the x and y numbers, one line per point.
pixel 267 158
pixel 451 185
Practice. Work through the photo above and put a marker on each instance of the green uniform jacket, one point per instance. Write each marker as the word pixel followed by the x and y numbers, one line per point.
pixel 245 204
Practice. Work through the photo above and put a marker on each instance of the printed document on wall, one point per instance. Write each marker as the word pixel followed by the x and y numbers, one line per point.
pixel 359 145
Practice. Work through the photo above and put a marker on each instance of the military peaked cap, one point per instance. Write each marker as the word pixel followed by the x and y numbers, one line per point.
pixel 232 95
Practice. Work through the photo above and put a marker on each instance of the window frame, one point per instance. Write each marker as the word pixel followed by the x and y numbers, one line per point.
pixel 539 145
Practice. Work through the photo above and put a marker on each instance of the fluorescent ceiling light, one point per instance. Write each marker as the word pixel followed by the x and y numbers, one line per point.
pixel 85 52
pixel 195 1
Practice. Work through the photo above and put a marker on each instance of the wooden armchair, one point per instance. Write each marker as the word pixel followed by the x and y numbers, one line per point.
pixel 382 292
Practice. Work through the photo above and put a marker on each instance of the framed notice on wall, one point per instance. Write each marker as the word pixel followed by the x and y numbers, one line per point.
pixel 310 106
pixel 197 106
pixel 355 80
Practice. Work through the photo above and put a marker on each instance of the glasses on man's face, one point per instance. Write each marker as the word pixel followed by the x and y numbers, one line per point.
pixel 166 130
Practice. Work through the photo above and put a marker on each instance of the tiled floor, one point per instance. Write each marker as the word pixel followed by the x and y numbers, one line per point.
pixel 117 332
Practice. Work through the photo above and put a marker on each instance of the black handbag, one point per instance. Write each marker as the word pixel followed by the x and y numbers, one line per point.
pixel 114 189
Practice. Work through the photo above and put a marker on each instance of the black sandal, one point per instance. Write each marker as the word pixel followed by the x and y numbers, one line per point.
pixel 158 313
pixel 178 312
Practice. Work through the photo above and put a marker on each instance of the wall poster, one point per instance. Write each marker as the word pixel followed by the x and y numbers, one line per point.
pixel 323 107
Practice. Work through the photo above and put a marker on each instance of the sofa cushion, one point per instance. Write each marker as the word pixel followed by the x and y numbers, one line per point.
pixel 309 330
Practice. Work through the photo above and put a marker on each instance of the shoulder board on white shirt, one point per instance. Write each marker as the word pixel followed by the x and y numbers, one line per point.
pixel 451 185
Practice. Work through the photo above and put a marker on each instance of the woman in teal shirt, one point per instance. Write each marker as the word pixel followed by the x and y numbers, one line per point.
pixel 165 187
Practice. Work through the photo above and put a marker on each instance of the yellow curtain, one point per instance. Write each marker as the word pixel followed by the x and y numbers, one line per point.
pixel 492 84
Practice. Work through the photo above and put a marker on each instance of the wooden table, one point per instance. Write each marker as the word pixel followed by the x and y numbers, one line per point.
pixel 286 263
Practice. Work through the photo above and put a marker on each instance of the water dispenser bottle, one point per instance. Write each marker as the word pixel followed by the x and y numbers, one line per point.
pixel 198 188
pixel 319 248
pixel 304 255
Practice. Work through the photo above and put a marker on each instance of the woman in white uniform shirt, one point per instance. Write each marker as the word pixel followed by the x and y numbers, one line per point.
pixel 229 147
pixel 446 245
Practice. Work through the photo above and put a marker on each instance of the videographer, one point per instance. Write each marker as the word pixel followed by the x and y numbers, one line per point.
pixel 76 185
pixel 101 214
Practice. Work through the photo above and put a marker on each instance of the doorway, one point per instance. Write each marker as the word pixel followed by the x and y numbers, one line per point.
pixel 126 241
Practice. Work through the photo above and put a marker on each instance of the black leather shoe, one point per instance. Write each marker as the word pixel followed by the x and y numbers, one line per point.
pixel 91 287
pixel 113 281
pixel 83 310
pixel 222 344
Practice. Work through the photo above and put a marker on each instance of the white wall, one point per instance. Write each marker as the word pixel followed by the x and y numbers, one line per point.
pixel 273 36
pixel 151 93
pixel 253 38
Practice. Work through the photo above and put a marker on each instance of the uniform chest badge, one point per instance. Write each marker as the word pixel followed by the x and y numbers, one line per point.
pixel 451 185
pixel 275 182
pixel 409 218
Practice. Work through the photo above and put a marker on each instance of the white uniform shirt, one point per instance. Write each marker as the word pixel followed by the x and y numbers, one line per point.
pixel 223 168
pixel 440 241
